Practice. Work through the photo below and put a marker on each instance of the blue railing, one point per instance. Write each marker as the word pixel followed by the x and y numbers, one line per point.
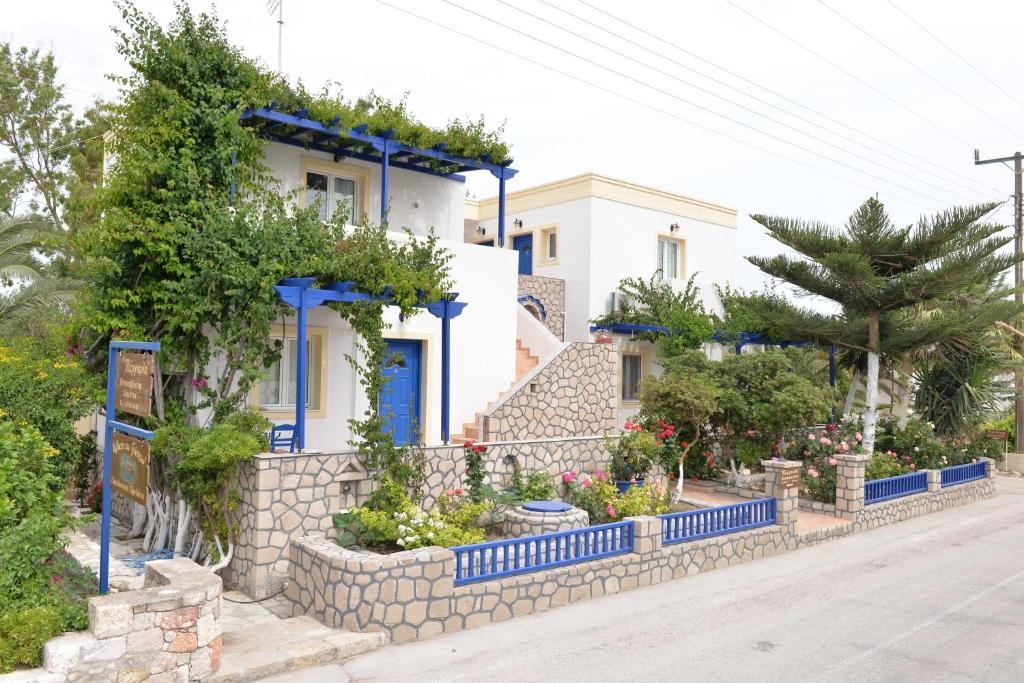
pixel 496 559
pixel 877 490
pixel 677 527
pixel 961 474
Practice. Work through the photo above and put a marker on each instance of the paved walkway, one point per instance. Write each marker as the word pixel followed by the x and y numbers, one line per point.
pixel 805 520
pixel 937 598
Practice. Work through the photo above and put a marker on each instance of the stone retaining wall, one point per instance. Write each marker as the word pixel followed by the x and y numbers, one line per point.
pixel 291 495
pixel 170 630
pixel 550 292
pixel 412 595
pixel 573 393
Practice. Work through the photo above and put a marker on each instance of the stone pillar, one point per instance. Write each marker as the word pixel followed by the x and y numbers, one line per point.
pixel 990 467
pixel 850 484
pixel 787 497
pixel 934 480
pixel 646 534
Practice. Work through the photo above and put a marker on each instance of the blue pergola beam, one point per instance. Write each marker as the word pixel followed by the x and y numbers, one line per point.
pixel 300 295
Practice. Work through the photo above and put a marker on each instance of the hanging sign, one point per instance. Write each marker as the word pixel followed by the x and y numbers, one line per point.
pixel 134 389
pixel 129 467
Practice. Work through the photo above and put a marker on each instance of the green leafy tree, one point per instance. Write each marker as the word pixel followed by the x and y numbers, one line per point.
pixel 879 274
pixel 651 302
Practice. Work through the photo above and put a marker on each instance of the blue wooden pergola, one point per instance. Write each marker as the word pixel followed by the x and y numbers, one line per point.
pixel 738 340
pixel 356 143
pixel 299 293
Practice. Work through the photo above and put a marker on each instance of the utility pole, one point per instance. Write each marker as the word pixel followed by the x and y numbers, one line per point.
pixel 1018 278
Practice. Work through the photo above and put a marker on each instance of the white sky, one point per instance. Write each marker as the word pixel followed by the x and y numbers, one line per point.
pixel 559 127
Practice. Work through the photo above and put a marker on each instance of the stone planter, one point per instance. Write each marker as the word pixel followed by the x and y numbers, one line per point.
pixel 543 517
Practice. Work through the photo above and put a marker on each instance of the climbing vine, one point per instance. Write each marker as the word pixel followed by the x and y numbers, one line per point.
pixel 413 271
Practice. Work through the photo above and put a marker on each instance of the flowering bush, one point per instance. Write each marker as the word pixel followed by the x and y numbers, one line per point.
pixel 600 498
pixel 818 449
pixel 455 520
pixel 633 453
pixel 475 471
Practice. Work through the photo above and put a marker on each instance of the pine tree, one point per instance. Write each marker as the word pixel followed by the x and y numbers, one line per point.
pixel 880 275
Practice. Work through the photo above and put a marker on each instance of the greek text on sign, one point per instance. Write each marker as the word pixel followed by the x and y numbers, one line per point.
pixel 134 390
pixel 789 478
pixel 997 434
pixel 129 467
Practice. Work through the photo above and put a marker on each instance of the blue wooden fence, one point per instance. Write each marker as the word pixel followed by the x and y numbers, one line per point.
pixel 677 527
pixel 877 490
pixel 961 474
pixel 496 559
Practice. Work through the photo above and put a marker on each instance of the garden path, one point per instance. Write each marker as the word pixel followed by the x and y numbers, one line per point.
pixel 806 521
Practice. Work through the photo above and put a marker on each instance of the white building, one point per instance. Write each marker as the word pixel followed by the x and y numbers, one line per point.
pixel 592 231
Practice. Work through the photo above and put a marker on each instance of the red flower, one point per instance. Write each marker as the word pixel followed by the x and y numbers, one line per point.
pixel 480 449
pixel 686 444
pixel 458 492
pixel 468 444
pixel 56 578
pixel 695 479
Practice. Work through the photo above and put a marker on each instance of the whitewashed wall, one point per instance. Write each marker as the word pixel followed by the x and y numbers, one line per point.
pixel 418 201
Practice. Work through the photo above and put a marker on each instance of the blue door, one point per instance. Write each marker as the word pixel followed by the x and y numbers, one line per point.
pixel 524 245
pixel 400 396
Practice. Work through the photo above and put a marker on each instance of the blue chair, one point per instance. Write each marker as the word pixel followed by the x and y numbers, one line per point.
pixel 282 436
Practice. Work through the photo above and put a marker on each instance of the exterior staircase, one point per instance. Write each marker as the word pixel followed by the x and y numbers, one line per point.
pixel 525 361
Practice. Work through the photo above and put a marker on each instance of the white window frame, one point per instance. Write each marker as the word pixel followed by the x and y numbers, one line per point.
pixel 357 189
pixel 680 249
pixel 546 233
pixel 316 376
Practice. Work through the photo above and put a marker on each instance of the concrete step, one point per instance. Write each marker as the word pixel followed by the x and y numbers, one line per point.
pixel 271 648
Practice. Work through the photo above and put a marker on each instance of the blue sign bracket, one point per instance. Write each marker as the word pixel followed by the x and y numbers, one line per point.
pixel 113 425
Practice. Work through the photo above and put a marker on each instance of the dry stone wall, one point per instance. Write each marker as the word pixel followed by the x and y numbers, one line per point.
pixel 550 292
pixel 574 393
pixel 170 630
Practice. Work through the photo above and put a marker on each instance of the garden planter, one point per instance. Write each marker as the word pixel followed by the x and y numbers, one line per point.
pixel 623 486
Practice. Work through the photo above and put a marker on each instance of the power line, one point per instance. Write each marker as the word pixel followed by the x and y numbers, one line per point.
pixel 848 73
pixel 917 68
pixel 782 96
pixel 727 100
pixel 955 53
pixel 641 103
pixel 738 122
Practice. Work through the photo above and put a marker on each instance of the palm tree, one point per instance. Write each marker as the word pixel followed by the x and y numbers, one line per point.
pixel 24 272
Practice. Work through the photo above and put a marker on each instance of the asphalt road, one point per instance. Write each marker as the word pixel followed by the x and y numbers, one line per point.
pixel 937 598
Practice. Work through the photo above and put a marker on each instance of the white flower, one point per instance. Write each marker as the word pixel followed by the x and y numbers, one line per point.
pixel 400 516
pixel 430 535
pixel 402 528
pixel 400 542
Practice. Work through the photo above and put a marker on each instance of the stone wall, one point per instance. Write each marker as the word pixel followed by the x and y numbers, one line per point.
pixel 550 292
pixel 170 630
pixel 574 393
pixel 291 495
pixel 412 595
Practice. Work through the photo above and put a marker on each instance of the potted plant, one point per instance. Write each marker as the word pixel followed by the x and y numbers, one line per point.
pixel 632 456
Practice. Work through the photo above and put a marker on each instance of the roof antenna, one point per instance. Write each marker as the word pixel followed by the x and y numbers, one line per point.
pixel 278 6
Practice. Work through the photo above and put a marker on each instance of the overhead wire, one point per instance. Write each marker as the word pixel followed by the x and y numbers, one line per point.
pixel 955 53
pixel 646 105
pixel 778 94
pixel 917 68
pixel 691 103
pixel 848 73
pixel 740 105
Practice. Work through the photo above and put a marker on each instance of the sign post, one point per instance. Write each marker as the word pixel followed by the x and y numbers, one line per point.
pixel 130 389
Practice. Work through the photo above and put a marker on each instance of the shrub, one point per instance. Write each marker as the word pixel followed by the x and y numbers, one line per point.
pixel 538 486
pixel 23 634
pixel 883 466
pixel 633 453
pixel 602 502
pixel 49 392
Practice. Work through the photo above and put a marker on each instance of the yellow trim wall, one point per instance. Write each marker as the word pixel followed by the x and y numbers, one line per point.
pixel 595 185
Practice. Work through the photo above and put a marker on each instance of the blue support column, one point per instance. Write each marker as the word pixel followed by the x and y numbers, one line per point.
pixel 108 434
pixel 384 166
pixel 446 373
pixel 300 370
pixel 501 210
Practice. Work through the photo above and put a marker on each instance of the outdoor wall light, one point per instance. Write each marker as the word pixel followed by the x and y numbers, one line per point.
pixel 481 230
pixel 518 222
pixel 674 227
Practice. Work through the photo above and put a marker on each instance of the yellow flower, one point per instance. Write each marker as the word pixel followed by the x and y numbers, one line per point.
pixel 41 375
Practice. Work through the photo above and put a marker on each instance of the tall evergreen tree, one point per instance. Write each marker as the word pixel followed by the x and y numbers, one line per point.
pixel 880 274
